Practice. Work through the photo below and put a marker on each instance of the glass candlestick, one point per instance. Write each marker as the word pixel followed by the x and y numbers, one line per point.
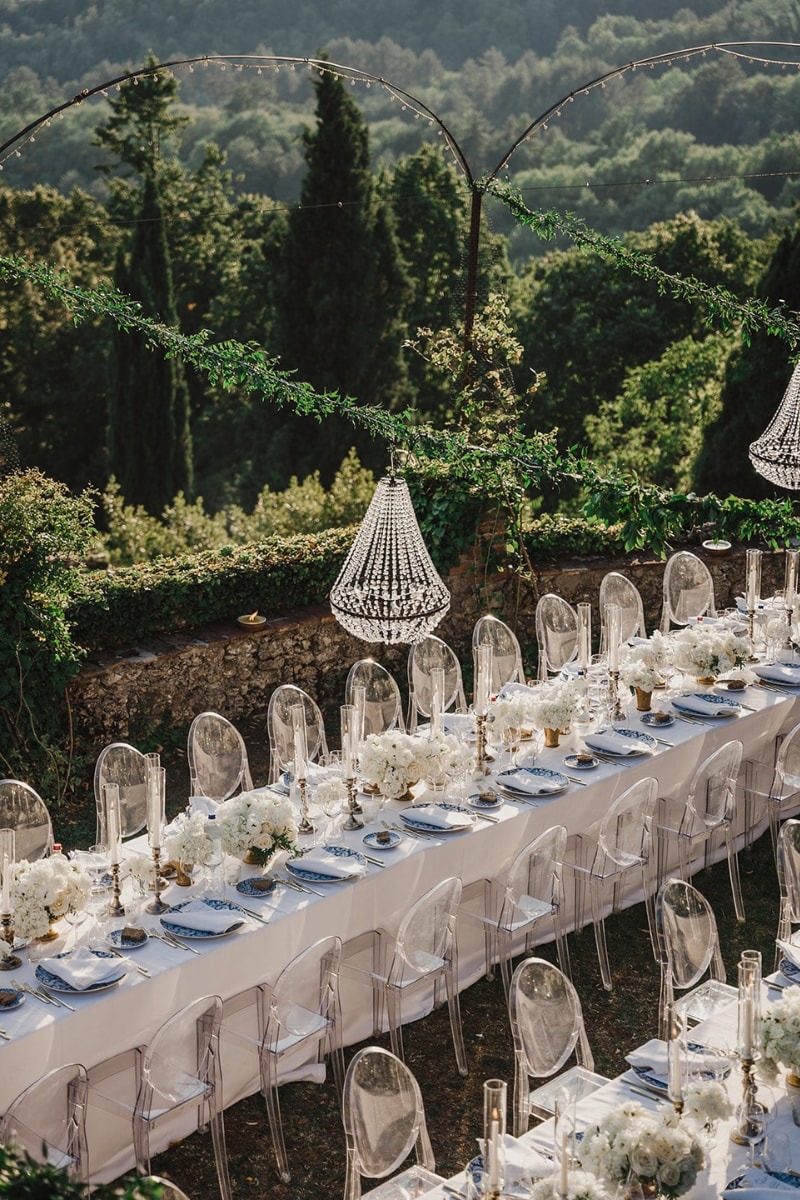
pixel 752 587
pixel 790 591
pixel 750 1111
pixel 9 961
pixel 494 1134
pixel 348 718
pixel 584 636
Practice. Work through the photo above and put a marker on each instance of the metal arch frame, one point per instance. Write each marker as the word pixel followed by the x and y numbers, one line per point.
pixel 751 51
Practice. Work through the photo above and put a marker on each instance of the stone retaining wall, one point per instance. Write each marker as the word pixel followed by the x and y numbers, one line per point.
pixel 166 682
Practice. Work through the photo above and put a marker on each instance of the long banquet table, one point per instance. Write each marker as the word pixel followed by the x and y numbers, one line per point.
pixel 43 1037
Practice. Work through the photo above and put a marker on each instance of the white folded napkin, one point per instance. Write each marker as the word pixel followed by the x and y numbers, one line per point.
pixel 531 785
pixel 203 804
pixel 204 918
pixel 442 818
pixel 758 1185
pixel 613 743
pixel 459 724
pixel 790 951
pixel 706 708
pixel 321 860
pixel 81 968
pixel 522 1162
pixel 653 1056
pixel 779 673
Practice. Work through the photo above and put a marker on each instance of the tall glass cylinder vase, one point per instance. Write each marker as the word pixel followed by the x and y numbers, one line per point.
pixel 749 1008
pixel 154 790
pixel 9 961
pixel 584 637
pixel 437 700
pixel 494 1137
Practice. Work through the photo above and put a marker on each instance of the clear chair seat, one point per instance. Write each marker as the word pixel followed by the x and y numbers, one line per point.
pixel 704 1001
pixel 578 1083
pixel 416 1181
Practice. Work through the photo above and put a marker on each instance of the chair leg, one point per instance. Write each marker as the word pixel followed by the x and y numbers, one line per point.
pixel 733 871
pixel 454 1009
pixel 269 1090
pixel 220 1151
pixel 521 1099
pixel 141 1145
pixel 395 1016
pixel 595 893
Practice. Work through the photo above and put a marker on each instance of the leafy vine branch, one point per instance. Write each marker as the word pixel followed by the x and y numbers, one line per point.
pixel 721 305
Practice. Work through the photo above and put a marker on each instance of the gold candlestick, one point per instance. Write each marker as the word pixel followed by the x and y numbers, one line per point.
pixel 742 1134
pixel 157 905
pixel 618 712
pixel 481 757
pixel 10 961
pixel 115 908
pixel 306 825
pixel 353 821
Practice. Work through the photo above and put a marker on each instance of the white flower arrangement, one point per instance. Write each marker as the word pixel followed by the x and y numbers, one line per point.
pixel 260 821
pixel 45 890
pixel 705 1102
pixel 332 788
pixel 658 1147
pixel 188 840
pixel 703 650
pixel 779 1029
pixel 512 712
pixel 554 704
pixel 390 761
pixel 641 665
pixel 581 1185
pixel 442 757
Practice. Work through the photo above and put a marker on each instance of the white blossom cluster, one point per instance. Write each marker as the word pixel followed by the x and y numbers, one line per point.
pixel 653 1146
pixel 703 650
pixel 705 1102
pixel 443 757
pixel 515 711
pixel 188 839
pixel 554 704
pixel 332 788
pixel 779 1028
pixel 581 1185
pixel 641 664
pixel 45 890
pixel 390 761
pixel 264 821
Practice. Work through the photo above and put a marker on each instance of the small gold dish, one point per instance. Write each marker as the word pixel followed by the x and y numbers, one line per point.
pixel 252 620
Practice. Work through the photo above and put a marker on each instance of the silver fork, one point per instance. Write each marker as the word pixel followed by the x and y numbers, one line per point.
pixel 128 962
pixel 5 1036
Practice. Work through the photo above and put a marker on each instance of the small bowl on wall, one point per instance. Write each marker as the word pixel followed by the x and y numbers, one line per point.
pixel 252 621
pixel 717 547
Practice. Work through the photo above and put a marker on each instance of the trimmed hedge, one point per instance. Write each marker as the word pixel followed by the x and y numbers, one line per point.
pixel 278 574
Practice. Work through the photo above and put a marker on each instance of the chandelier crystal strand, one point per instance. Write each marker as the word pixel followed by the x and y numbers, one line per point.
pixel 388 589
pixel 776 454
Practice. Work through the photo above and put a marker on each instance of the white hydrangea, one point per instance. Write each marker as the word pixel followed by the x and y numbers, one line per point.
pixel 660 1146
pixel 709 650
pixel 515 711
pixel 442 757
pixel 554 704
pixel 262 820
pixel 45 890
pixel 390 761
pixel 641 665
pixel 332 788
pixel 580 1186
pixel 779 1027
pixel 706 1101
pixel 188 840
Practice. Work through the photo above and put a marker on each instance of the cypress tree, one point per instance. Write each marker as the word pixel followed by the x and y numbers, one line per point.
pixel 149 441
pixel 755 380
pixel 342 287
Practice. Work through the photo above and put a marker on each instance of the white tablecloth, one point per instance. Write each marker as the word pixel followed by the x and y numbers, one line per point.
pixel 44 1037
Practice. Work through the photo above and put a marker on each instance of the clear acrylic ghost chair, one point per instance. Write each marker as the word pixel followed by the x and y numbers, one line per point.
pixel 383 705
pixel 124 765
pixel 384 1120
pixel 778 787
pixel 688 590
pixel 547 1027
pixel 788 856
pixel 23 810
pixel 512 904
pixel 301 1008
pixel 217 755
pixel 48 1121
pixel 507 655
pixel 423 952
pixel 281 732
pixel 708 810
pixel 177 1070
pixel 423 658
pixel 619 843
pixel 688 942
pixel 556 633
pixel 618 589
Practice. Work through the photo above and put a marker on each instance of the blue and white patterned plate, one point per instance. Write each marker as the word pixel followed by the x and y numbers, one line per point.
pixel 738 1184
pixel 256 886
pixel 726 706
pixel 646 742
pixel 791 972
pixel 574 763
pixel 658 1083
pixel 237 919
pixel 116 939
pixel 55 983
pixel 655 720
pixel 506 780
pixel 308 875
pixel 414 822
pixel 391 840
pixel 486 801
pixel 10 998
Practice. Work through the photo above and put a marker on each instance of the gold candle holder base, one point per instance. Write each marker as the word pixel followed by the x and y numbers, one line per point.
pixel 157 905
pixel 741 1135
pixel 306 824
pixel 9 961
pixel 617 712
pixel 481 757
pixel 115 908
pixel 353 821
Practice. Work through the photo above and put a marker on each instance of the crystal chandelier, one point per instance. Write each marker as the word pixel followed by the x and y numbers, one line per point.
pixel 776 454
pixel 388 589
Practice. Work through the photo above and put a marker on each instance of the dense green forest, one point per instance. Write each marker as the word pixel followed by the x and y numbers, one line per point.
pixel 320 221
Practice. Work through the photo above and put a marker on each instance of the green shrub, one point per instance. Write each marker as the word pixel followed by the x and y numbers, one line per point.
pixel 23 1178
